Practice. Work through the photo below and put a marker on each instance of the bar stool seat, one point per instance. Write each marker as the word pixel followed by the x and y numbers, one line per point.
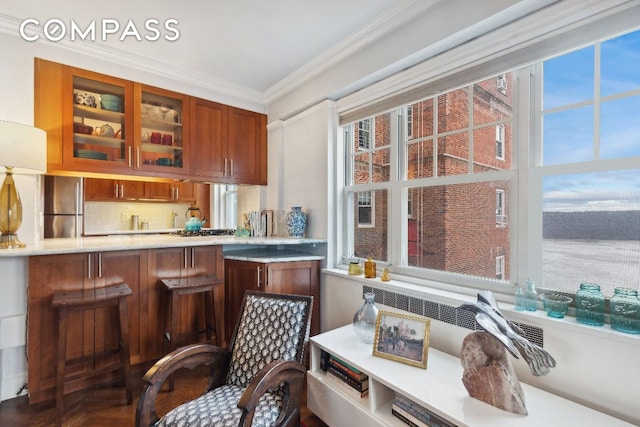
pixel 185 286
pixel 72 301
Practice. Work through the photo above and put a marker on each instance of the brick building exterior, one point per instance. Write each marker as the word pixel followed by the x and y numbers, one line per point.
pixel 461 228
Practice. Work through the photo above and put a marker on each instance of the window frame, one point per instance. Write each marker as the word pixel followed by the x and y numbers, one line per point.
pixel 525 179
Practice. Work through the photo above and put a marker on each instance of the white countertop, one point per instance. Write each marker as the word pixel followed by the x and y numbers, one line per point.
pixel 143 241
pixel 267 255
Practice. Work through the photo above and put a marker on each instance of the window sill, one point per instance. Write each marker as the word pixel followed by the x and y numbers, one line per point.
pixel 455 296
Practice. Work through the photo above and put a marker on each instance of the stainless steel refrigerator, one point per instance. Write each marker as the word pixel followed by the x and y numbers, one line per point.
pixel 63 206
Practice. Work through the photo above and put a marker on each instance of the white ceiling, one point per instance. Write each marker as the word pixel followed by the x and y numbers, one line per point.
pixel 251 44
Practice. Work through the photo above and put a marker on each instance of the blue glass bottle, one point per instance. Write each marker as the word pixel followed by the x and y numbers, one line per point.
pixel 590 304
pixel 520 299
pixel 531 296
pixel 625 311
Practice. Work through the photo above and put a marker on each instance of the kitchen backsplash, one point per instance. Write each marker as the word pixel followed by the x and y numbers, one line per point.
pixel 106 217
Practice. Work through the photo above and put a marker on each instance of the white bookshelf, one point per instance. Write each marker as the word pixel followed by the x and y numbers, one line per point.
pixel 439 388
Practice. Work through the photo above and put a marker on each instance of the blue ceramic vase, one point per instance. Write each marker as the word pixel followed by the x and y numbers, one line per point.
pixel 296 222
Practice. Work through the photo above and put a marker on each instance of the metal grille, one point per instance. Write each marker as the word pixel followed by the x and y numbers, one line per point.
pixel 443 312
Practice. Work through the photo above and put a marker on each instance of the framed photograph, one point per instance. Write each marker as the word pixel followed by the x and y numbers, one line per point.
pixel 402 337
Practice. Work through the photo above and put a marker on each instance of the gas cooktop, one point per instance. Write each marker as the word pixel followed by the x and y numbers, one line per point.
pixel 206 232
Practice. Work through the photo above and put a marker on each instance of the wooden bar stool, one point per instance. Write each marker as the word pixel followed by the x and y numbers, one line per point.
pixel 185 286
pixel 72 301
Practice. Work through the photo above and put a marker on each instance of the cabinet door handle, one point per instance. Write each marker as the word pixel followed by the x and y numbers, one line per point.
pixel 122 191
pixel 225 167
pixel 89 266
pixel 258 277
pixel 130 161
pixel 268 276
pixel 231 174
pixel 193 257
pixel 185 258
pixel 100 265
pixel 138 158
pixel 117 191
pixel 177 193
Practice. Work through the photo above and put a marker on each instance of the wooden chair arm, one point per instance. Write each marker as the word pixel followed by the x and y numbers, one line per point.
pixel 191 356
pixel 270 377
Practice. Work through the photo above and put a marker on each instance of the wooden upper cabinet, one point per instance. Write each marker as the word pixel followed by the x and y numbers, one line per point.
pixel 86 118
pixel 154 132
pixel 171 191
pixel 229 144
pixel 208 138
pixel 96 190
pixel 161 120
pixel 247 146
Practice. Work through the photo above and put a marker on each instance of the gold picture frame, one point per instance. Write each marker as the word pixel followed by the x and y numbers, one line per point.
pixel 403 338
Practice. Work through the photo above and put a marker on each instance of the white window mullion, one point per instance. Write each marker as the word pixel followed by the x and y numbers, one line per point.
pixel 596 101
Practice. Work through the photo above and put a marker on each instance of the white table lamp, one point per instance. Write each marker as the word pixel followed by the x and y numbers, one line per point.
pixel 23 150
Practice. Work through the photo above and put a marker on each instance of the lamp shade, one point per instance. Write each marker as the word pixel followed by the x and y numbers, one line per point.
pixel 23 147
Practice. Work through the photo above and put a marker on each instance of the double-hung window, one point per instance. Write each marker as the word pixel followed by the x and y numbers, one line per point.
pixel 556 150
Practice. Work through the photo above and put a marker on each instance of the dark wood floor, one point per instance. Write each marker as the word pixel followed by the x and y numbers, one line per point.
pixel 107 406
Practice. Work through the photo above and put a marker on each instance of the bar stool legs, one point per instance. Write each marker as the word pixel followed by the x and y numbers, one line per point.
pixel 185 286
pixel 71 301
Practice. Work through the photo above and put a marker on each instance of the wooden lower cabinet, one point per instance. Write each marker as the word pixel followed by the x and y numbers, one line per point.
pixel 291 277
pixel 92 332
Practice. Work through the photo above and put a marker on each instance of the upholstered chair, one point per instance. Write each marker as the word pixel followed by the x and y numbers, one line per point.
pixel 258 381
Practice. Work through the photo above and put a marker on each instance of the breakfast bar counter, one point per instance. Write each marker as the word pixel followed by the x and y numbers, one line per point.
pixel 35 273
pixel 147 241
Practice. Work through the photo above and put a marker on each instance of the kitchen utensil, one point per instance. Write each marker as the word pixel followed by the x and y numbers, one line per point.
pixel 82 128
pixel 105 130
pixel 194 220
pixel 155 138
pixel 111 102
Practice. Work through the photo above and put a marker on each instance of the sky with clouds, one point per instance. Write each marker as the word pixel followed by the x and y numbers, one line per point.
pixel 570 124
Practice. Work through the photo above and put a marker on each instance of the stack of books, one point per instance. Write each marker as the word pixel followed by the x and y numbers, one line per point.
pixel 348 378
pixel 416 415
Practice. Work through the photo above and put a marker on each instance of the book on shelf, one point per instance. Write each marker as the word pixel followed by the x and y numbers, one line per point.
pixel 407 418
pixel 418 413
pixel 347 369
pixel 345 387
pixel 358 385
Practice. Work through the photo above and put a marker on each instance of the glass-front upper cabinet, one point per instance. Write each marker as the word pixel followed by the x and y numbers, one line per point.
pixel 101 139
pixel 160 144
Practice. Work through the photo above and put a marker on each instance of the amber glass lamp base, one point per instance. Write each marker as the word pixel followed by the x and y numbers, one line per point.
pixel 10 241
pixel 10 213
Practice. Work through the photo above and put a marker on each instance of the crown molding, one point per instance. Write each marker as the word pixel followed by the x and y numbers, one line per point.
pixel 10 25
pixel 383 25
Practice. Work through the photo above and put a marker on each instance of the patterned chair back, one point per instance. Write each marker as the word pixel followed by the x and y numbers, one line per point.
pixel 271 327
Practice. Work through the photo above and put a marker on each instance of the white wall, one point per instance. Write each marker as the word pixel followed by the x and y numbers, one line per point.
pixel 300 164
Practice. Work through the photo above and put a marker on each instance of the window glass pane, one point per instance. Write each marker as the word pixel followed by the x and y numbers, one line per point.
pixel 568 136
pixel 619 128
pixel 453 153
pixel 421 119
pixel 591 230
pixel 370 152
pixel 370 232
pixel 491 104
pixel 619 64
pixel 488 153
pixel 420 159
pixel 454 229
pixel 568 79
pixel 453 111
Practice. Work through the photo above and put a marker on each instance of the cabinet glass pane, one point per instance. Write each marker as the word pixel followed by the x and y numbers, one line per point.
pixel 161 118
pixel 98 121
